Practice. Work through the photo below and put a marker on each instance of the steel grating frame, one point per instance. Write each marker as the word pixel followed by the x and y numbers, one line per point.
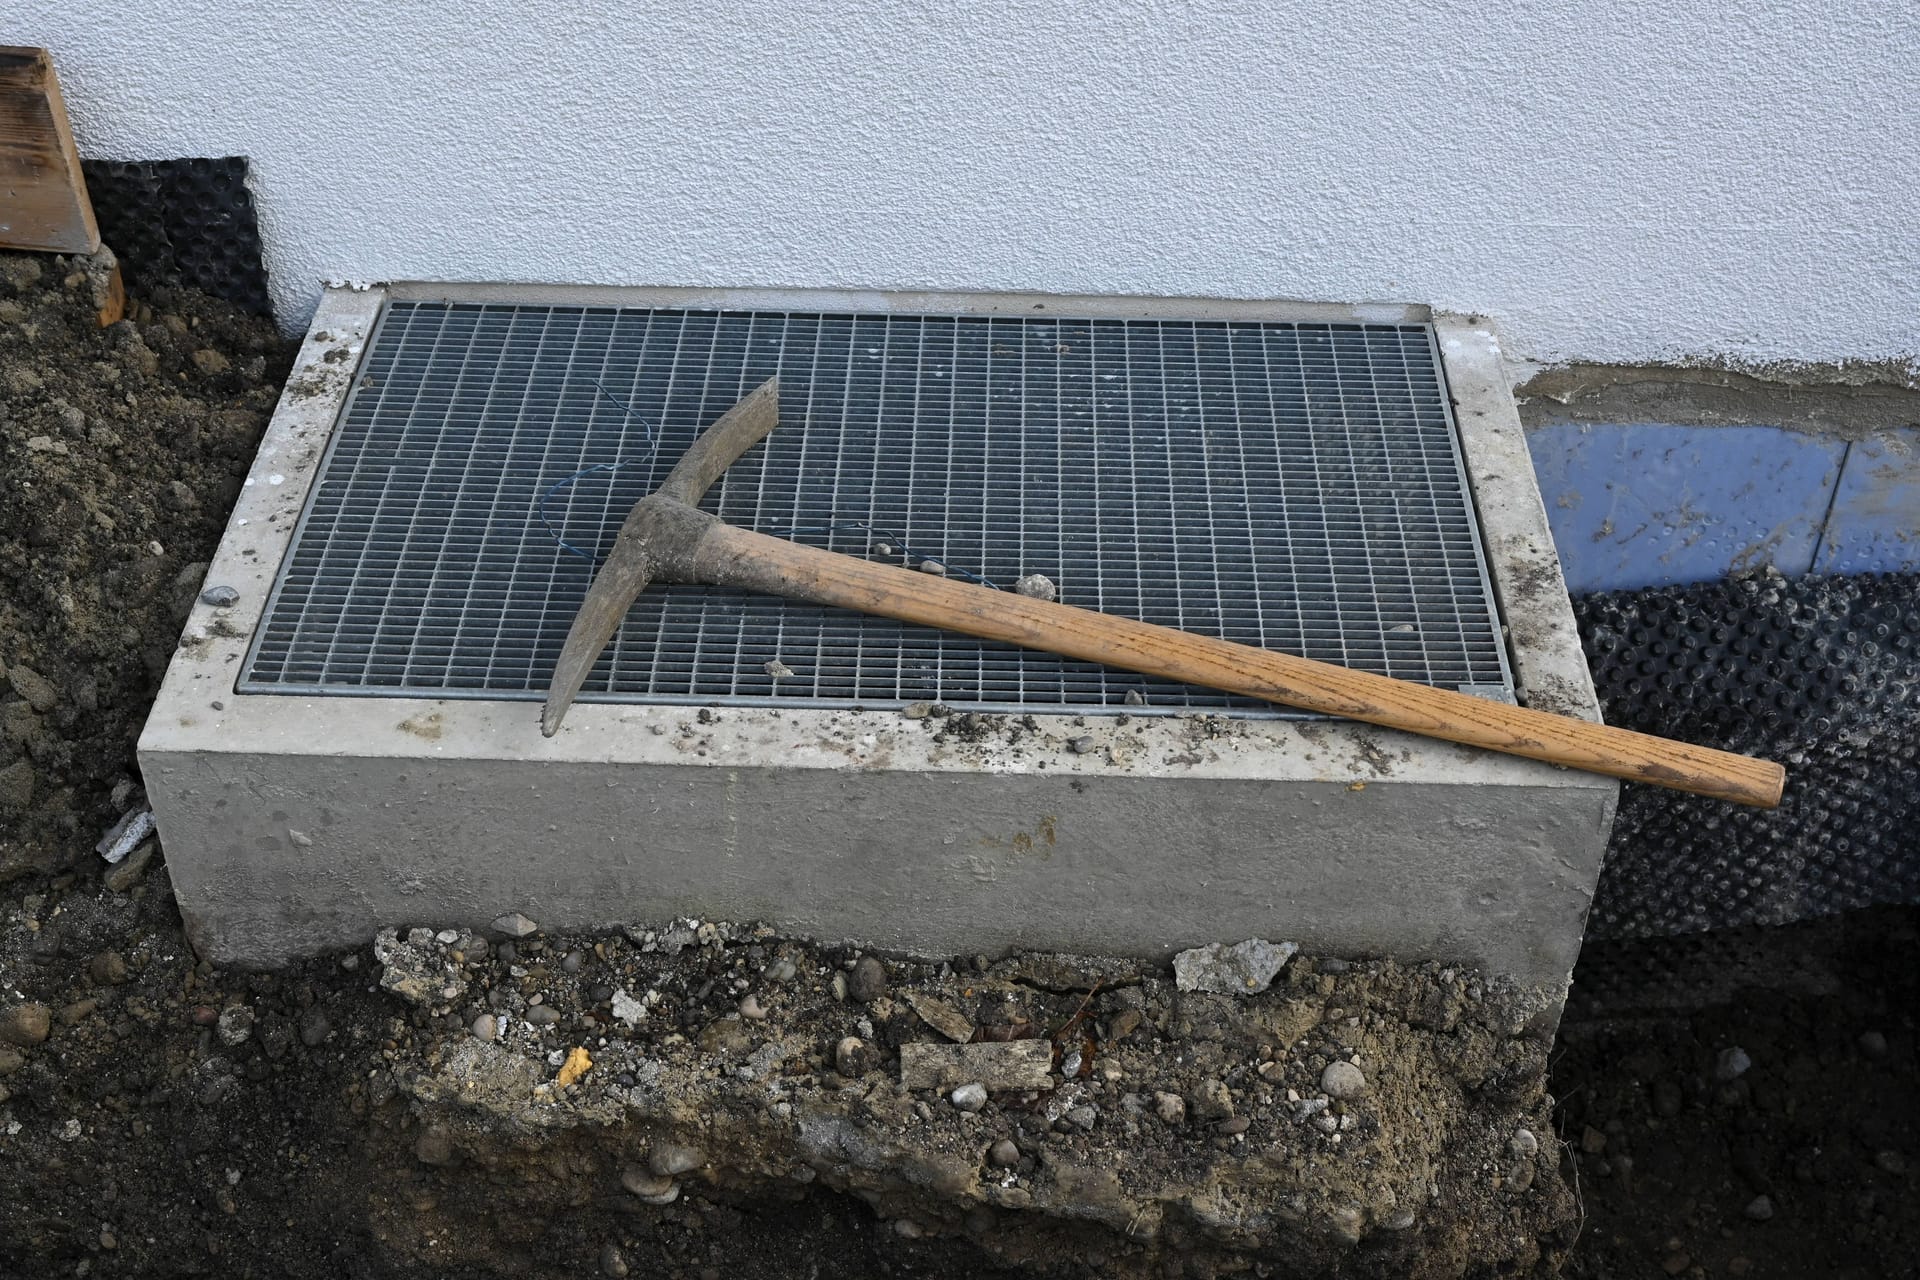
pixel 1288 484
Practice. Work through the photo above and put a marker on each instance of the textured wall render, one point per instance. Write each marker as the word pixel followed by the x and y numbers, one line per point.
pixel 1611 182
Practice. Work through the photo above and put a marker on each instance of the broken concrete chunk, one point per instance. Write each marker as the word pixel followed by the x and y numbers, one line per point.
pixel 941 1016
pixel 629 1010
pixel 1012 1065
pixel 515 925
pixel 125 835
pixel 417 972
pixel 1245 968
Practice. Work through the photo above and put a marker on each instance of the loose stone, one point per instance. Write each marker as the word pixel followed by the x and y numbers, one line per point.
pixel 998 1067
pixel 1342 1081
pixel 26 1024
pixel 235 1026
pixel 969 1097
pixel 868 981
pixel 668 1159
pixel 515 925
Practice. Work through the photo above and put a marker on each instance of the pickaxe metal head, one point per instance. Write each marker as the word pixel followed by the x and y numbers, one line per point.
pixel 656 543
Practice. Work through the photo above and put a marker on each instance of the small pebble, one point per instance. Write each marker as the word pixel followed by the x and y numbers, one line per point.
pixel 1676 1263
pixel 969 1097
pixel 868 981
pixel 933 567
pixel 314 1027
pixel 1134 698
pixel 1731 1064
pixel 1238 1124
pixel 235 1025
pixel 1170 1107
pixel 1082 1117
pixel 542 1015
pixel 669 1159
pixel 1523 1143
pixel 1081 745
pixel 486 1027
pixel 1760 1208
pixel 1037 586
pixel 1873 1044
pixel 1890 1162
pixel 649 1186
pixel 26 1024
pixel 434 1147
pixel 778 669
pixel 851 1058
pixel 219 597
pixel 109 968
pixel 1342 1081
pixel 612 1261
pixel 515 925
pixel 752 1008
pixel 1004 1154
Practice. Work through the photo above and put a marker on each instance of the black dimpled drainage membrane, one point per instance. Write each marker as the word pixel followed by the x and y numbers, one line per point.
pixel 182 222
pixel 1820 673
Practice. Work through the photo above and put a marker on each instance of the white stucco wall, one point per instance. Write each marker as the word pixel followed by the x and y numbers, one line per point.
pixel 1614 181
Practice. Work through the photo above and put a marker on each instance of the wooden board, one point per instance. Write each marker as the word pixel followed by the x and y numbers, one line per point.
pixel 43 198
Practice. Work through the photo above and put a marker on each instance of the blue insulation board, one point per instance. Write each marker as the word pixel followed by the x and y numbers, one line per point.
pixel 1874 526
pixel 1650 504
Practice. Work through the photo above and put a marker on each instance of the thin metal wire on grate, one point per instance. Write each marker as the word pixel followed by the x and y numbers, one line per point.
pixel 1295 486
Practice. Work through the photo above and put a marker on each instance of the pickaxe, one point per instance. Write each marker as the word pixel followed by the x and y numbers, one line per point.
pixel 667 538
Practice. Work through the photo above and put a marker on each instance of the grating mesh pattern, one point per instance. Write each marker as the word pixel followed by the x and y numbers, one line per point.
pixel 1295 486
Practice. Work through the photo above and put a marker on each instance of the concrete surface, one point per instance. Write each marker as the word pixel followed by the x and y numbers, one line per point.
pixel 1611 183
pixel 294 824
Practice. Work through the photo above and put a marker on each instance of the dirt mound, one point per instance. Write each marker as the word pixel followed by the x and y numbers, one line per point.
pixel 121 451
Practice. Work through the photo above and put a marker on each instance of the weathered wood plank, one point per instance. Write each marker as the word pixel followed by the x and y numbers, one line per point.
pixel 43 198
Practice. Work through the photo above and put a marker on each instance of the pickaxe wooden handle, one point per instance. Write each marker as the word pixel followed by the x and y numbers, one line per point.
pixel 666 538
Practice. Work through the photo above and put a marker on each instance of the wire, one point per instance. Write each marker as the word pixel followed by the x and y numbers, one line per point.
pixel 898 544
pixel 653 447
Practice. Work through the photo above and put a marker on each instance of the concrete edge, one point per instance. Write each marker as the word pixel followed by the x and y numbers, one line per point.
pixel 1549 666
pixel 932 302
pixel 261 526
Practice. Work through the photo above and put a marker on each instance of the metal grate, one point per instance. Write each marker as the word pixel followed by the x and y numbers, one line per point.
pixel 1290 485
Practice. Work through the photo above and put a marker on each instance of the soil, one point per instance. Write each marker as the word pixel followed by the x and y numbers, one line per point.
pixel 690 1106
pixel 121 451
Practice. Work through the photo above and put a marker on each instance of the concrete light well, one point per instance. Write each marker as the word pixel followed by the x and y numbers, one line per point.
pixel 294 824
